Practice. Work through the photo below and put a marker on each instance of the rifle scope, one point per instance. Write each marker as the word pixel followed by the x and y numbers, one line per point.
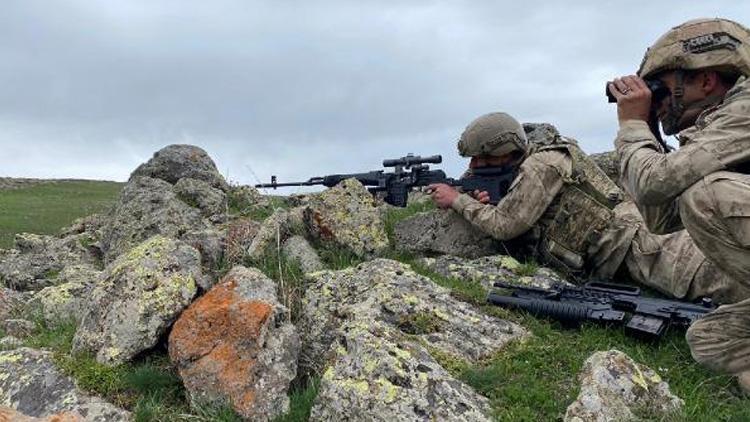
pixel 411 160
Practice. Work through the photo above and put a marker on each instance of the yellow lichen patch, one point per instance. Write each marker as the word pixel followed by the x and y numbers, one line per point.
pixel 11 358
pixel 510 263
pixel 638 378
pixel 389 392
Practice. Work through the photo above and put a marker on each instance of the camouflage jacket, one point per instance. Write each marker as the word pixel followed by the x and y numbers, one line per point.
pixel 719 140
pixel 529 210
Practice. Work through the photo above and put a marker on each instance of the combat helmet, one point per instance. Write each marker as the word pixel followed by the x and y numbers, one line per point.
pixel 717 43
pixel 713 44
pixel 492 134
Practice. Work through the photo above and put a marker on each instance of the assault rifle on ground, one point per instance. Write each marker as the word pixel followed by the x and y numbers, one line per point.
pixel 644 317
pixel 410 172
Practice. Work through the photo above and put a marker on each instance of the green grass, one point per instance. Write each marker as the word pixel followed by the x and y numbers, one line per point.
pixel 47 207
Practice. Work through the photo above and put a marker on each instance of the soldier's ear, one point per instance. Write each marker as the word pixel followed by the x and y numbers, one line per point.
pixel 709 81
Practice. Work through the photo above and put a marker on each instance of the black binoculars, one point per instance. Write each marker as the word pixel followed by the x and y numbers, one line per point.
pixel 657 87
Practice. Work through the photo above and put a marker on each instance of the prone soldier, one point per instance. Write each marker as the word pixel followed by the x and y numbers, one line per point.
pixel 566 210
pixel 704 186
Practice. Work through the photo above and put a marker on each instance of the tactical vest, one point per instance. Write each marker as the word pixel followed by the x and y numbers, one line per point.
pixel 578 214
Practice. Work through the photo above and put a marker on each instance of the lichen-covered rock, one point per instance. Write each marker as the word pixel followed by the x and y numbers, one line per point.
pixel 175 162
pixel 9 343
pixel 240 235
pixel 616 388
pixel 210 244
pixel 137 299
pixel 67 301
pixel 9 415
pixel 299 250
pixel 488 270
pixel 345 215
pixel 18 327
pixel 147 207
pixel 31 384
pixel 274 230
pixel 89 224
pixel 12 303
pixel 37 260
pixel 442 232
pixel 380 375
pixel 200 194
pixel 236 345
pixel 386 290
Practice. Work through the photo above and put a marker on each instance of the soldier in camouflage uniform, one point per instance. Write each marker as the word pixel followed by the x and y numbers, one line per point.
pixel 705 185
pixel 567 210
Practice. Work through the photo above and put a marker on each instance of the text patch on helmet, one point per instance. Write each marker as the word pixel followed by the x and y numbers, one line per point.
pixel 708 42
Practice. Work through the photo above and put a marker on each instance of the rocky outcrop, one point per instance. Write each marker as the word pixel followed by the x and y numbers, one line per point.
pixel 442 232
pixel 299 250
pixel 198 193
pixel 352 319
pixel 31 384
pixel 210 243
pixel 147 207
pixel 346 216
pixel 488 270
pixel 236 345
pixel 240 235
pixel 175 162
pixel 12 303
pixel 379 375
pixel 66 301
pixel 9 415
pixel 37 260
pixel 541 133
pixel 274 230
pixel 616 388
pixel 137 300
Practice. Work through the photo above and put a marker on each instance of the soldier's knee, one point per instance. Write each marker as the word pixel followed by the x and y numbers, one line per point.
pixel 697 339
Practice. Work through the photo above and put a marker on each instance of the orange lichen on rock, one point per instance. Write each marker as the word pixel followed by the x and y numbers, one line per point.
pixel 216 341
pixel 10 415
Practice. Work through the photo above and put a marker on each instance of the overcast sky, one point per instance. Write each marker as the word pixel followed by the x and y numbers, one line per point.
pixel 90 89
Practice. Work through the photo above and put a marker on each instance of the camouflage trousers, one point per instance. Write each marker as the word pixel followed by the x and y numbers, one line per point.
pixel 716 212
pixel 673 265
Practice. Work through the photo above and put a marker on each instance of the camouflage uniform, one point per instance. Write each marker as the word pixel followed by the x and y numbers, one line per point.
pixel 670 263
pixel 705 185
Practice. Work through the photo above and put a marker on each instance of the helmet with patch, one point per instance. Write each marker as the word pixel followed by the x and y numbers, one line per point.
pixel 494 134
pixel 719 44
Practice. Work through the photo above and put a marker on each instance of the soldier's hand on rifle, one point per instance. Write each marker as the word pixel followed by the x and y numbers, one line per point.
pixel 443 195
pixel 481 196
pixel 633 98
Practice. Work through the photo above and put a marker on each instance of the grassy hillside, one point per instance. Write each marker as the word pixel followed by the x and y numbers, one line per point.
pixel 47 207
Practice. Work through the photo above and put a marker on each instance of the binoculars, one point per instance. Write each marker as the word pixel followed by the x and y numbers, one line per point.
pixel 657 87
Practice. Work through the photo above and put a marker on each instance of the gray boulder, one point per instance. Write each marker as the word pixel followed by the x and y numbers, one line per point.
pixel 67 300
pixel 240 235
pixel 299 250
pixel 487 270
pixel 616 388
pixel 210 243
pixel 442 232
pixel 18 327
pixel 137 299
pixel 236 345
pixel 12 303
pixel 388 290
pixel 275 230
pixel 10 343
pixel 346 216
pixel 31 384
pixel 379 375
pixel 147 207
pixel 37 260
pixel 198 193
pixel 175 162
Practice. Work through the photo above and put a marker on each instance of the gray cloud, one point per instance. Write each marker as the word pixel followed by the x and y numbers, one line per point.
pixel 91 89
